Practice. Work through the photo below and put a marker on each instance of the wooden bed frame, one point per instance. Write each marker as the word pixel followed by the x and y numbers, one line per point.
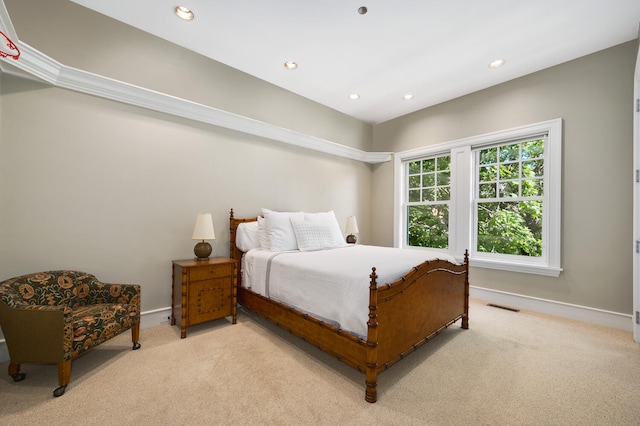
pixel 403 315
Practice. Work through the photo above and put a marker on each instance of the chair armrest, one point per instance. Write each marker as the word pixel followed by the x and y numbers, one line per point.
pixel 37 333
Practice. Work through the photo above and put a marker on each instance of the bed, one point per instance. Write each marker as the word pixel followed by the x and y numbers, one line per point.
pixel 400 315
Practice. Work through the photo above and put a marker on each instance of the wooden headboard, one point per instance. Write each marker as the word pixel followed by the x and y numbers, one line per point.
pixel 234 252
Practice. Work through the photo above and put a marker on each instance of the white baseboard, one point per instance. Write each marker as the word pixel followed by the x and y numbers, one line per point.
pixel 551 307
pixel 147 320
pixel 616 320
pixel 155 318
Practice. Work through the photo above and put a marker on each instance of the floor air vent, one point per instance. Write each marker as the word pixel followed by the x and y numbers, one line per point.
pixel 507 308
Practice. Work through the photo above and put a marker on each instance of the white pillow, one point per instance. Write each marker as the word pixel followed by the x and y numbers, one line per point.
pixel 262 234
pixel 280 230
pixel 328 218
pixel 247 236
pixel 313 235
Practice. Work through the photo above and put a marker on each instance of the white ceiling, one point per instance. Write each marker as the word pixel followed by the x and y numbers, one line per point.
pixel 434 49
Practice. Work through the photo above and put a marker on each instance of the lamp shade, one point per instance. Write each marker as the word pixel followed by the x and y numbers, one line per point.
pixel 204 228
pixel 352 226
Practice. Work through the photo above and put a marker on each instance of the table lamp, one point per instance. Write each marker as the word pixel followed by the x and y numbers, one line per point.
pixel 203 231
pixel 350 229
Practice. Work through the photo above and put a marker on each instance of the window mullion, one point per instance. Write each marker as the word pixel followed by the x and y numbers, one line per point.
pixel 461 195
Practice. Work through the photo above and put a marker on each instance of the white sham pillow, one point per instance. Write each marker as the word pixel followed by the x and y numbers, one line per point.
pixel 313 235
pixel 328 218
pixel 247 236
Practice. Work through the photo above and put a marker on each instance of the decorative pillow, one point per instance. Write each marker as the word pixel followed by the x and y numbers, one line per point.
pixel 247 236
pixel 280 230
pixel 328 218
pixel 313 235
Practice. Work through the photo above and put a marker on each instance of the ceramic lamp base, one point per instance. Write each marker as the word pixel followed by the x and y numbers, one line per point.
pixel 351 239
pixel 202 250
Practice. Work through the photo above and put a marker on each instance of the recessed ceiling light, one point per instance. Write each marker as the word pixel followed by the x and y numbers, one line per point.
pixel 362 10
pixel 407 97
pixel 354 96
pixel 497 63
pixel 290 65
pixel 184 13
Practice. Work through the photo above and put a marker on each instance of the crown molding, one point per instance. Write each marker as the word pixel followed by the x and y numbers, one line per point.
pixel 36 64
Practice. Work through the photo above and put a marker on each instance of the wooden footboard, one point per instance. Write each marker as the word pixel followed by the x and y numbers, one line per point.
pixel 403 315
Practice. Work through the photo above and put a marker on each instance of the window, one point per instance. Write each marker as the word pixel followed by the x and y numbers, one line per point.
pixel 508 198
pixel 428 195
pixel 497 195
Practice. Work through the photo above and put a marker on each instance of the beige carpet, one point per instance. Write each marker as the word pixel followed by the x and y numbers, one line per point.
pixel 507 369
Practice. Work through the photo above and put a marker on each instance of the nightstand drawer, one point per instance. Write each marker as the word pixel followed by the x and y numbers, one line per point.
pixel 208 272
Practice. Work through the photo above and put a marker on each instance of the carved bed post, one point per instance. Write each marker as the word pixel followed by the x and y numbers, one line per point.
pixel 234 253
pixel 232 236
pixel 371 392
pixel 465 318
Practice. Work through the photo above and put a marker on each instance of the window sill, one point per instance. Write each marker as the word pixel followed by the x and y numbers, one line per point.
pixel 541 269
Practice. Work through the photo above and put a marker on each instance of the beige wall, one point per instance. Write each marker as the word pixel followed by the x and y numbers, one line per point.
pixel 114 190
pixel 594 97
pixel 92 184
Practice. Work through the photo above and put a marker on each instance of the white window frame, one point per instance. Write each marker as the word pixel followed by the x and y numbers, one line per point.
pixel 461 214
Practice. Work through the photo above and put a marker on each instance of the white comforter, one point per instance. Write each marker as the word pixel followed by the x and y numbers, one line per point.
pixel 332 285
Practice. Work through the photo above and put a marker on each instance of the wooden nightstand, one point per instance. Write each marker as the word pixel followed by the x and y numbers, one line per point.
pixel 203 290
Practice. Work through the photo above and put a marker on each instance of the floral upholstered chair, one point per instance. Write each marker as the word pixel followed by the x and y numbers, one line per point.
pixel 53 317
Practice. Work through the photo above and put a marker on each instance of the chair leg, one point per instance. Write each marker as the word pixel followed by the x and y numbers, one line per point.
pixel 64 375
pixel 14 372
pixel 135 336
